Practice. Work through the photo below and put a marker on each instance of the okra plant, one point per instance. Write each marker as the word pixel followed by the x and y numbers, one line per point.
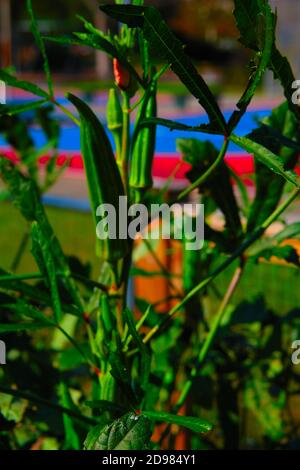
pixel 114 379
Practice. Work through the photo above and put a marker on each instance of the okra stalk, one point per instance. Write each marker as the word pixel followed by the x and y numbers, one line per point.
pixel 143 151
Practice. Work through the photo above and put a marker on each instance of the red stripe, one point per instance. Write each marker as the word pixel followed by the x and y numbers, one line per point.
pixel 164 164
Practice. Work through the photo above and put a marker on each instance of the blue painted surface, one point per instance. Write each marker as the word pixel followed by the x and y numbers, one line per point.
pixel 166 143
pixel 166 139
pixel 82 205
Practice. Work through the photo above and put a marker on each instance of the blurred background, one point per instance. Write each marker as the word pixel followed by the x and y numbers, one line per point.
pixel 207 28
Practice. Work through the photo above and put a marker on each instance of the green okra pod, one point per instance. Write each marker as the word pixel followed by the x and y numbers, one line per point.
pixel 104 180
pixel 115 120
pixel 143 150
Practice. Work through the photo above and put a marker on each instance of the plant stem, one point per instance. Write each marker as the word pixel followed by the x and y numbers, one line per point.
pixel 39 276
pixel 248 242
pixel 49 404
pixel 19 254
pixel 66 112
pixel 170 179
pixel 76 346
pixel 21 277
pixel 211 335
pixel 124 157
pixel 208 172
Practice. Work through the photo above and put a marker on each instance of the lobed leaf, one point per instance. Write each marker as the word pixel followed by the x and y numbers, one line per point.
pixel 165 43
pixel 40 43
pixel 266 157
pixel 13 81
pixel 194 424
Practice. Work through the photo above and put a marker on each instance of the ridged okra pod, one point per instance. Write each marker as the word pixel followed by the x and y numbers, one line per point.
pixel 143 150
pixel 115 120
pixel 103 177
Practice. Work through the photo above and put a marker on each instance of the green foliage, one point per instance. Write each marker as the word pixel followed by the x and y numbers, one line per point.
pixel 40 43
pixel 266 157
pixel 194 424
pixel 104 180
pixel 256 23
pixel 200 155
pixel 131 432
pixel 162 40
pixel 97 368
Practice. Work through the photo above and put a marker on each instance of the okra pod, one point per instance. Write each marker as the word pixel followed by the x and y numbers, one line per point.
pixel 103 177
pixel 143 151
pixel 115 120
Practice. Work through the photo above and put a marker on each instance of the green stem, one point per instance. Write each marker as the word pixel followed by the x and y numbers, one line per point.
pixel 21 277
pixel 124 157
pixel 49 404
pixel 247 243
pixel 211 336
pixel 19 254
pixel 39 276
pixel 207 174
pixel 76 346
pixel 66 112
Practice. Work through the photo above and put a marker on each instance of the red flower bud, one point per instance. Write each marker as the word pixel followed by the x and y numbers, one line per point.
pixel 122 76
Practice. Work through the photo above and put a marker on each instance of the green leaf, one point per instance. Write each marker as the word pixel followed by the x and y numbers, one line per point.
pixel 122 376
pixel 276 133
pixel 103 177
pixel 200 155
pixel 72 441
pixel 99 43
pixel 261 34
pixel 16 133
pixel 22 84
pixel 266 157
pixel 26 198
pixel 165 43
pixel 266 401
pixel 287 253
pixel 283 72
pixel 130 432
pixel 49 125
pixel 145 356
pixel 14 327
pixel 41 250
pixel 48 404
pixel 11 110
pixel 178 126
pixel 104 405
pixel 40 43
pixel 194 424
pixel 242 189
pixel 12 408
pixel 291 231
pixel 250 23
pixel 22 308
pixel 19 286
